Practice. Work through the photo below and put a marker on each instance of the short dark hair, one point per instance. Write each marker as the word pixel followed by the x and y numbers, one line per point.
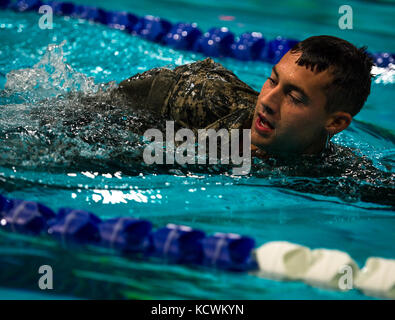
pixel 350 67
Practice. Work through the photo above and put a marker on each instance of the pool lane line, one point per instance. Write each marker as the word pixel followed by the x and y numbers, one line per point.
pixel 278 260
pixel 216 42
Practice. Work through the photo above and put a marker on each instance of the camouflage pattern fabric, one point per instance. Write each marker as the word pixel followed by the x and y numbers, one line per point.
pixel 198 95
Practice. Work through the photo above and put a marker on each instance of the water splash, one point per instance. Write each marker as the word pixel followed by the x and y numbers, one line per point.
pixel 50 77
pixel 384 75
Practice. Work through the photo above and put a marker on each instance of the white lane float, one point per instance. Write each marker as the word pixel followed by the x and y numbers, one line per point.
pixel 331 269
pixel 282 260
pixel 377 278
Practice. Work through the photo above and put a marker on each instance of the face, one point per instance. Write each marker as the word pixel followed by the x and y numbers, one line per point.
pixel 290 115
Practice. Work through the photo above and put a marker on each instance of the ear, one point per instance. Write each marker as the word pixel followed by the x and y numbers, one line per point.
pixel 337 122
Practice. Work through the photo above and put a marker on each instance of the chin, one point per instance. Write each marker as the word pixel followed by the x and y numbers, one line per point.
pixel 259 141
pixel 264 144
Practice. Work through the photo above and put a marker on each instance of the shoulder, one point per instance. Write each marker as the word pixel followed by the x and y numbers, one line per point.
pixel 206 64
pixel 209 69
pixel 216 79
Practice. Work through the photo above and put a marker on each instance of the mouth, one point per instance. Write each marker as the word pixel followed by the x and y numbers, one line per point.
pixel 262 125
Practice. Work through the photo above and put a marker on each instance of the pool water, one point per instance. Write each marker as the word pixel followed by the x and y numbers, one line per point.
pixel 31 168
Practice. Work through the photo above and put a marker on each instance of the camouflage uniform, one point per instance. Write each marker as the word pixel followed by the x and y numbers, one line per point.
pixel 198 95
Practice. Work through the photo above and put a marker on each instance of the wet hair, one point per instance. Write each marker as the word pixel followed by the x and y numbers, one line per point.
pixel 349 66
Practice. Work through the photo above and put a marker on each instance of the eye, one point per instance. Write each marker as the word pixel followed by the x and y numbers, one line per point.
pixel 272 81
pixel 295 100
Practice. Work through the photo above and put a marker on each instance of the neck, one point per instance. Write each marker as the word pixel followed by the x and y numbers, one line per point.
pixel 259 153
pixel 319 146
pixel 311 150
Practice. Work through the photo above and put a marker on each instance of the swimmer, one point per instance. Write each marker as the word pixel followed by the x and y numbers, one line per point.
pixel 312 94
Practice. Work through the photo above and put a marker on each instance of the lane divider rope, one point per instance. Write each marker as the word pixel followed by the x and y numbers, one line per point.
pixel 216 42
pixel 279 260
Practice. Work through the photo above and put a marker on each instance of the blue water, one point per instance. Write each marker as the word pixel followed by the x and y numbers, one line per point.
pixel 212 202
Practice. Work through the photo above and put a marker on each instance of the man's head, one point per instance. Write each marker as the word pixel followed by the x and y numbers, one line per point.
pixel 312 94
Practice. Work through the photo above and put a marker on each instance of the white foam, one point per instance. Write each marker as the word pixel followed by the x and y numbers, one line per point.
pixel 384 75
pixel 50 77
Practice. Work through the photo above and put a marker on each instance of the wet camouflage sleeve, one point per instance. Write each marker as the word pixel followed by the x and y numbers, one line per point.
pixel 198 95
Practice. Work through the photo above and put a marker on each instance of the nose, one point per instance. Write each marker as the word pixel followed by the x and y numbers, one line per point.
pixel 270 100
pixel 267 109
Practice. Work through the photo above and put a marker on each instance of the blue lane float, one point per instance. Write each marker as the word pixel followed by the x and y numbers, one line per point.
pixel 24 216
pixel 217 42
pixel 25 5
pixel 88 13
pixel 174 243
pixel 62 8
pixel 120 20
pixel 75 226
pixel 276 48
pixel 4 4
pixel 2 204
pixel 126 234
pixel 229 251
pixel 152 28
pixel 383 59
pixel 249 46
pixel 182 36
pixel 180 244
